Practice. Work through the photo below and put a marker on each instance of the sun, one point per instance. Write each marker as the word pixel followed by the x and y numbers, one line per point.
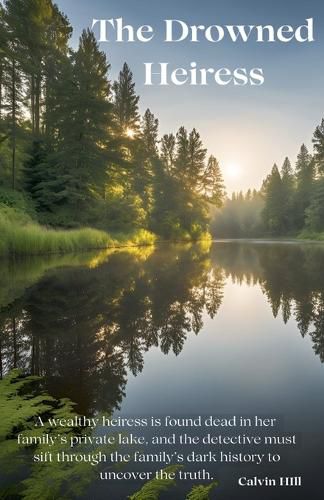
pixel 130 133
pixel 233 170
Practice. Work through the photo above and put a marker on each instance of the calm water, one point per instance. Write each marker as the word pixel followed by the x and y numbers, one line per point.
pixel 182 330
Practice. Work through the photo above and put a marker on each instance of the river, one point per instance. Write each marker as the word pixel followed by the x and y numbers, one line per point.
pixel 234 329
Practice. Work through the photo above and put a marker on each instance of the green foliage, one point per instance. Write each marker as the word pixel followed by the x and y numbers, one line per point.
pixel 213 183
pixel 73 142
pixel 182 207
pixel 190 159
pixel 142 237
pixel 150 127
pixel 152 489
pixel 273 216
pixel 168 152
pixel 18 409
pixel 21 402
pixel 311 235
pixel 121 212
pixel 315 211
pixel 12 215
pixel 201 492
pixel 6 158
pixel 75 166
pixel 126 102
pixel 288 193
pixel 305 179
pixel 16 201
pixel 318 141
pixel 145 160
pixel 21 236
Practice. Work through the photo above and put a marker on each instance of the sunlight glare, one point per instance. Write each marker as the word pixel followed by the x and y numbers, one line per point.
pixel 233 170
pixel 130 133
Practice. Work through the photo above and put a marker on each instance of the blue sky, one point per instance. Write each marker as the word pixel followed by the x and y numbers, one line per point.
pixel 247 127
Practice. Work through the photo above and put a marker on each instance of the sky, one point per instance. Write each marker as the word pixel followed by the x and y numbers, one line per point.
pixel 247 128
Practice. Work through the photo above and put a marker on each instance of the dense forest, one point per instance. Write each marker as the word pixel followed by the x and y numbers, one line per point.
pixel 74 150
pixel 290 202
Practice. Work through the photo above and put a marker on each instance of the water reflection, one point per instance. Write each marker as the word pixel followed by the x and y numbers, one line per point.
pixel 291 276
pixel 85 327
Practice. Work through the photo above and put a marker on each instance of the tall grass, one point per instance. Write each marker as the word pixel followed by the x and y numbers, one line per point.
pixel 19 235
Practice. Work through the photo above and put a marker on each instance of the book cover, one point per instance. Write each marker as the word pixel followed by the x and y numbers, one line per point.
pixel 161 249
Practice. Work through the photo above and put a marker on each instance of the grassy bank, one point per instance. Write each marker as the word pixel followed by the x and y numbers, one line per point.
pixel 311 235
pixel 21 236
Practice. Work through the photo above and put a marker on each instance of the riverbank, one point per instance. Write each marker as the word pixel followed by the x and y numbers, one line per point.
pixel 309 235
pixel 305 236
pixel 23 235
pixel 20 236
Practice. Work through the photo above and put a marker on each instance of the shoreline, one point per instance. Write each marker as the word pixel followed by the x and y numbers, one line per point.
pixel 120 245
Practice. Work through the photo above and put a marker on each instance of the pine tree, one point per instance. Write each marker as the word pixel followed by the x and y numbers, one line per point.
pixel 168 152
pixel 13 98
pixel 88 151
pixel 3 43
pixel 274 201
pixel 182 154
pixel 57 52
pixel 315 211
pixel 79 162
pixel 29 20
pixel 149 134
pixel 35 169
pixel 305 178
pixel 190 159
pixel 213 183
pixel 30 31
pixel 50 181
pixel 318 141
pixel 144 158
pixel 93 109
pixel 197 156
pixel 288 190
pixel 126 103
pixel 287 175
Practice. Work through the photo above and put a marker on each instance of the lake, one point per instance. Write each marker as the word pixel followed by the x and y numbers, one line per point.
pixel 235 328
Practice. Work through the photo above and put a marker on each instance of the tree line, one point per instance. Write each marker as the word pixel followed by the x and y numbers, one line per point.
pixel 73 143
pixel 290 201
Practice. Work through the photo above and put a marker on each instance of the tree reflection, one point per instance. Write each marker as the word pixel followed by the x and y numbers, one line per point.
pixel 317 335
pixel 290 275
pixel 83 329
